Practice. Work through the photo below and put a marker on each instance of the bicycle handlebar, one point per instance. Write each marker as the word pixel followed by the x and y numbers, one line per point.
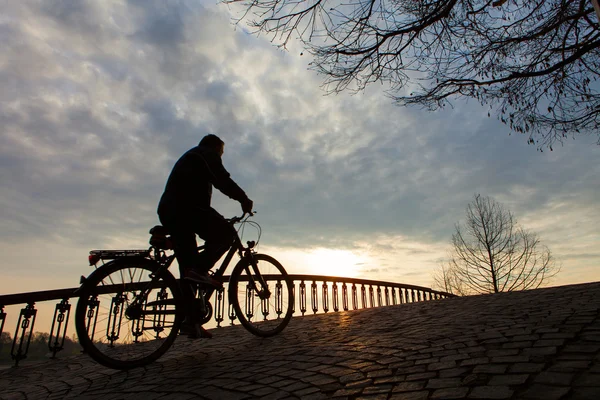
pixel 235 220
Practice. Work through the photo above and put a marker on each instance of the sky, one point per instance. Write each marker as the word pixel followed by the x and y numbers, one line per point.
pixel 100 98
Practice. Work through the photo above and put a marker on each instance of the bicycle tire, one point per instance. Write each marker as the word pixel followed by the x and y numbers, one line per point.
pixel 112 329
pixel 246 303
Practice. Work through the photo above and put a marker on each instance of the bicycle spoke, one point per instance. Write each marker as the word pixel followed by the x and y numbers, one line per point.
pixel 120 328
pixel 263 296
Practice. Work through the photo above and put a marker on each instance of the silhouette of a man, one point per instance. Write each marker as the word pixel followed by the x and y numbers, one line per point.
pixel 185 210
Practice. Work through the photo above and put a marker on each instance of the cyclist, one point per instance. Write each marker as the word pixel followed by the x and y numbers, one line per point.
pixel 185 210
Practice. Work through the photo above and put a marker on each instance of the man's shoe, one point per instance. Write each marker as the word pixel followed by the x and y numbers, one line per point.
pixel 194 331
pixel 201 278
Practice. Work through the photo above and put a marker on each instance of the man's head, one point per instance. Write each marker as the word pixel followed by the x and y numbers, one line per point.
pixel 214 142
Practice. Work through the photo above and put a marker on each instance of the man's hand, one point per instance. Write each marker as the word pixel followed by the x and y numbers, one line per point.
pixel 247 206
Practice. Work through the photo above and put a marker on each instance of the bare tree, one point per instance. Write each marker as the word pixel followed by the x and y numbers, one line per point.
pixel 535 63
pixel 446 280
pixel 491 253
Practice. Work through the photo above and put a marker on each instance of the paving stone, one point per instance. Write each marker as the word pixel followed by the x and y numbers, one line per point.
pixel 569 366
pixel 474 361
pixel 307 391
pixel 549 343
pixel 540 351
pixel 409 386
pixel 347 392
pixel 377 389
pixel 558 335
pixel 588 379
pixel 516 345
pixel 490 369
pixel 510 359
pixel 508 380
pixel 491 392
pixel 382 396
pixel 352 377
pixel 453 372
pixel 554 378
pixel 502 352
pixel 585 393
pixel 420 376
pixel 439 383
pixel 544 392
pixel 454 357
pixel 390 379
pixel 450 393
pixel 423 395
pixel 263 391
pixel 413 370
pixel 472 349
pixel 441 365
pixel 359 384
pixel 582 348
pixel 526 367
pixel 427 361
pixel 527 338
pixel 379 373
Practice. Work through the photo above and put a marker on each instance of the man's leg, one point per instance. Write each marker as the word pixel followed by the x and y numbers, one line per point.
pixel 218 235
pixel 186 252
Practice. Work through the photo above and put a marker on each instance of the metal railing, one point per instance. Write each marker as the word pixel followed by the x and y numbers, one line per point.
pixel 312 293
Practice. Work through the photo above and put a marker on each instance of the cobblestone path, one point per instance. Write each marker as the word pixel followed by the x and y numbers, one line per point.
pixel 540 344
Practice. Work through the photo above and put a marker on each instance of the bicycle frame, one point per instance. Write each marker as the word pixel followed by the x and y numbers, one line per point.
pixel 255 279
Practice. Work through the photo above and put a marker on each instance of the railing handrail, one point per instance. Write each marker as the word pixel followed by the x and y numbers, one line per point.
pixel 34 297
pixel 360 281
pixel 60 294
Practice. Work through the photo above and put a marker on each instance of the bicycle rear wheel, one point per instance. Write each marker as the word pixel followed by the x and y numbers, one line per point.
pixel 264 311
pixel 127 317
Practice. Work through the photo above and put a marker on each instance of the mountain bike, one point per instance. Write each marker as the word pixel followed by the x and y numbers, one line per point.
pixel 131 308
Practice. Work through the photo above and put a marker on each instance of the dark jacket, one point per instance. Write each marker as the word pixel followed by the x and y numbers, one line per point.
pixel 189 187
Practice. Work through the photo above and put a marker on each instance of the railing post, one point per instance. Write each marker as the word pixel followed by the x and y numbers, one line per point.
pixel 379 298
pixel 354 297
pixel 344 296
pixel 314 297
pixel 334 297
pixel 92 317
pixel 26 323
pixel 264 306
pixel 325 296
pixel 387 296
pixel 2 319
pixel 61 316
pixel 372 296
pixel 394 301
pixel 294 298
pixel 231 314
pixel 279 298
pixel 363 295
pixel 302 298
pixel 220 307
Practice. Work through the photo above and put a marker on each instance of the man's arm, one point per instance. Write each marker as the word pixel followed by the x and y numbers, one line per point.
pixel 221 179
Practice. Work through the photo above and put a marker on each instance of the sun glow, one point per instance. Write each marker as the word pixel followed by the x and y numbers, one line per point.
pixel 333 262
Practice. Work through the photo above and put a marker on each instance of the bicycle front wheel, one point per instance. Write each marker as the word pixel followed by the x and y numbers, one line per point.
pixel 262 295
pixel 127 316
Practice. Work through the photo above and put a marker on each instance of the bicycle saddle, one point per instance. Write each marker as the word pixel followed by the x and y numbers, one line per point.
pixel 160 239
pixel 159 230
